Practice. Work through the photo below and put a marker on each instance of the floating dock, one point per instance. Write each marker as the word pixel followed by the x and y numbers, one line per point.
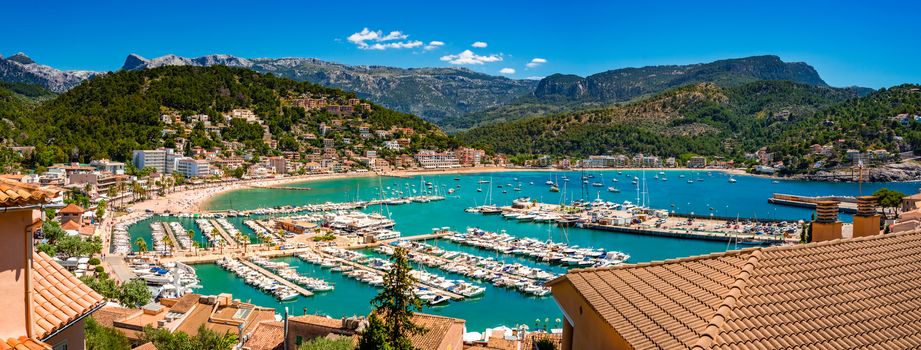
pixel 278 278
pixel 356 265
pixel 220 229
pixel 172 235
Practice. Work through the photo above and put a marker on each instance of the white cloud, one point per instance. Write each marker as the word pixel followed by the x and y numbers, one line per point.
pixel 396 45
pixel 536 62
pixel 434 45
pixel 479 44
pixel 534 77
pixel 376 40
pixel 468 57
pixel 507 71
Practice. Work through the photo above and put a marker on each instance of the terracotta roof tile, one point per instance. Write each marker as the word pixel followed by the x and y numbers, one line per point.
pixel 71 209
pixel 436 328
pixel 23 343
pixel 268 335
pixel 14 193
pixel 851 293
pixel 59 298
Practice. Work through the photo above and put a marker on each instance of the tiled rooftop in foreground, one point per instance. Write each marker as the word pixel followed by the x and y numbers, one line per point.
pixel 847 293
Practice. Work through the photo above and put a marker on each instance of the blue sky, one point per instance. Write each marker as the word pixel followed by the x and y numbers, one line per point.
pixel 867 43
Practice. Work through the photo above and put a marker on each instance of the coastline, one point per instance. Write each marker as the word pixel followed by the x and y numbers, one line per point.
pixel 197 200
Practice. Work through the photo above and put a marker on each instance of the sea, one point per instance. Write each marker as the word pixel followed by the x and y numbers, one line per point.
pixel 707 193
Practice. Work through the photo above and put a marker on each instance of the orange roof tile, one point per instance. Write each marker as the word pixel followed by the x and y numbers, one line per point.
pixel 14 193
pixel 850 293
pixel 268 335
pixel 71 209
pixel 71 225
pixel 59 298
pixel 317 320
pixel 436 328
pixel 23 343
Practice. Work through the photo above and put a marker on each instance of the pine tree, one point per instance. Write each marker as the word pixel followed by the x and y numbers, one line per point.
pixel 395 305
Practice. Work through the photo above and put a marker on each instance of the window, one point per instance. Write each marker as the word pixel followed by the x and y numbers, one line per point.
pixel 297 341
pixel 60 346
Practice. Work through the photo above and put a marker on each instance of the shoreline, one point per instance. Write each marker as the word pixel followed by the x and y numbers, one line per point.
pixel 197 200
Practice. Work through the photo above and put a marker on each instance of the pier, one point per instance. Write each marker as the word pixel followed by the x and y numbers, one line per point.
pixel 172 236
pixel 356 265
pixel 231 241
pixel 689 234
pixel 278 278
pixel 398 239
pixel 846 204
pixel 441 263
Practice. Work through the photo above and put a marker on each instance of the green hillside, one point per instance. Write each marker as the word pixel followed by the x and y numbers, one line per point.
pixel 702 119
pixel 111 115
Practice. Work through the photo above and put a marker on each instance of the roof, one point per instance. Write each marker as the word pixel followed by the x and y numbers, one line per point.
pixel 317 320
pixel 23 343
pixel 436 328
pixel 71 225
pixel 59 298
pixel 846 293
pixel 71 209
pixel 268 335
pixel 14 193
pixel 107 315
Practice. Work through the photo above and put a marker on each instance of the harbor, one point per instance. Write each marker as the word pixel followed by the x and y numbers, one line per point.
pixel 340 209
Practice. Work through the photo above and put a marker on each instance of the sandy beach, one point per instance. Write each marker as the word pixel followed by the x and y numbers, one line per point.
pixel 195 200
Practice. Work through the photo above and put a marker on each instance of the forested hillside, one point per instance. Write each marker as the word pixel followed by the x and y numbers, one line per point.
pixel 111 115
pixel 707 119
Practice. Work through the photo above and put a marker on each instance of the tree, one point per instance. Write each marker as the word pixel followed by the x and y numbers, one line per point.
pixel 142 245
pixel 374 337
pixel 134 293
pixel 103 285
pixel 395 304
pixel 101 209
pixel 888 199
pixel 99 337
pixel 327 344
pixel 205 340
pixel 71 246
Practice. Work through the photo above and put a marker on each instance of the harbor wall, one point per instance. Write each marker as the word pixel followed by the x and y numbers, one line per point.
pixel 686 235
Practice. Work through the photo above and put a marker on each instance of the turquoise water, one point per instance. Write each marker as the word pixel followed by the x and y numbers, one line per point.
pixel 499 306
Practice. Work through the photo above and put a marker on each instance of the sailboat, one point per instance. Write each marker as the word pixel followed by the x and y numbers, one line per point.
pixel 732 180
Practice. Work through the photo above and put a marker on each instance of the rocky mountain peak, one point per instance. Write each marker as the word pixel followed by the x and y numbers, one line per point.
pixel 21 58
pixel 134 61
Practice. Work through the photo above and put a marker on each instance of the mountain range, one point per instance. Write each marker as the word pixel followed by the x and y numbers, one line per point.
pixel 432 93
pixel 19 68
pixel 458 99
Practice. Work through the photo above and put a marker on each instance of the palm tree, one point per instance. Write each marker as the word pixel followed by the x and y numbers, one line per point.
pixel 191 235
pixel 142 245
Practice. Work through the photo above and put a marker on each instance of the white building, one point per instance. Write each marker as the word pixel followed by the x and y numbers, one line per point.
pixel 190 168
pixel 159 159
pixel 437 160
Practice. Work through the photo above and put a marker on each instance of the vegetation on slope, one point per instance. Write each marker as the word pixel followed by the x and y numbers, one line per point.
pixel 109 116
pixel 702 119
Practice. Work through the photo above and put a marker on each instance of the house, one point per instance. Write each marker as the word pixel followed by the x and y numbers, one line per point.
pixel 441 333
pixel 220 313
pixel 71 212
pixel 470 157
pixel 44 305
pixel 697 162
pixel 834 294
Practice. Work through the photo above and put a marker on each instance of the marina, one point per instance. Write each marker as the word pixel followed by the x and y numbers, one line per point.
pixel 256 213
